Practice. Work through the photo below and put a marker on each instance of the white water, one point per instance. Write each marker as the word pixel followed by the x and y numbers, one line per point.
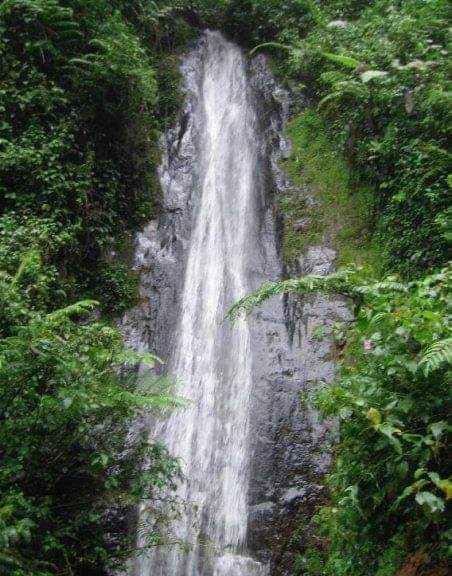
pixel 212 360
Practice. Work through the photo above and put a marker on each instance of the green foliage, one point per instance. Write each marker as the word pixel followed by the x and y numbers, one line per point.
pixel 343 215
pixel 379 74
pixel 80 112
pixel 82 96
pixel 347 282
pixel 254 21
pixel 438 354
pixel 121 285
pixel 119 52
pixel 391 480
pixel 346 61
pixel 70 469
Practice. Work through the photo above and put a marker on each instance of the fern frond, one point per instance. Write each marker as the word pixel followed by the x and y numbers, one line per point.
pixel 276 45
pixel 77 309
pixel 333 76
pixel 346 61
pixel 136 357
pixel 346 88
pixel 340 282
pixel 154 399
pixel 88 60
pixel 438 354
pixel 316 13
pixel 378 288
pixel 30 260
pixel 378 318
pixel 329 98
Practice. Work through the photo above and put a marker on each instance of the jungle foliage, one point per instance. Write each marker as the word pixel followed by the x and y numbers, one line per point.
pixel 325 203
pixel 71 472
pixel 379 74
pixel 391 483
pixel 375 77
pixel 85 87
pixel 79 117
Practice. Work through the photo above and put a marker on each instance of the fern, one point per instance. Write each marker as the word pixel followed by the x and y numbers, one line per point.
pixel 346 61
pixel 77 309
pixel 30 261
pixel 438 354
pixel 340 282
pixel 345 88
pixel 378 319
pixel 378 288
pixel 316 13
pixel 329 98
pixel 137 357
pixel 276 45
pixel 348 282
pixel 332 77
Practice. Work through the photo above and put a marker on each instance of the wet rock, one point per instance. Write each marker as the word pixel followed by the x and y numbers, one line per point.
pixel 293 495
pixel 342 24
pixel 301 224
pixel 317 260
pixel 289 441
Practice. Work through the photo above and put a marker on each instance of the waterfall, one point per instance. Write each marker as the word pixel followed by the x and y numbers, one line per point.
pixel 212 359
pixel 251 453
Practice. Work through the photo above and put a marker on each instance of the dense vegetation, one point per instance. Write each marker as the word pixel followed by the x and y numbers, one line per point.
pixel 391 481
pixel 371 145
pixel 86 86
pixel 326 204
pixel 81 100
pixel 378 74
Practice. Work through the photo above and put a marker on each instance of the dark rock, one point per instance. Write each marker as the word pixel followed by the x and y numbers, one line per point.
pixel 302 224
pixel 289 441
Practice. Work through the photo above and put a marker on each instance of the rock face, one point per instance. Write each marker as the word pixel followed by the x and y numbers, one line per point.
pixel 292 348
pixel 291 443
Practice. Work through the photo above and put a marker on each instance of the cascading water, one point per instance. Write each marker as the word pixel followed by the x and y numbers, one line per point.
pixel 212 359
pixel 250 453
